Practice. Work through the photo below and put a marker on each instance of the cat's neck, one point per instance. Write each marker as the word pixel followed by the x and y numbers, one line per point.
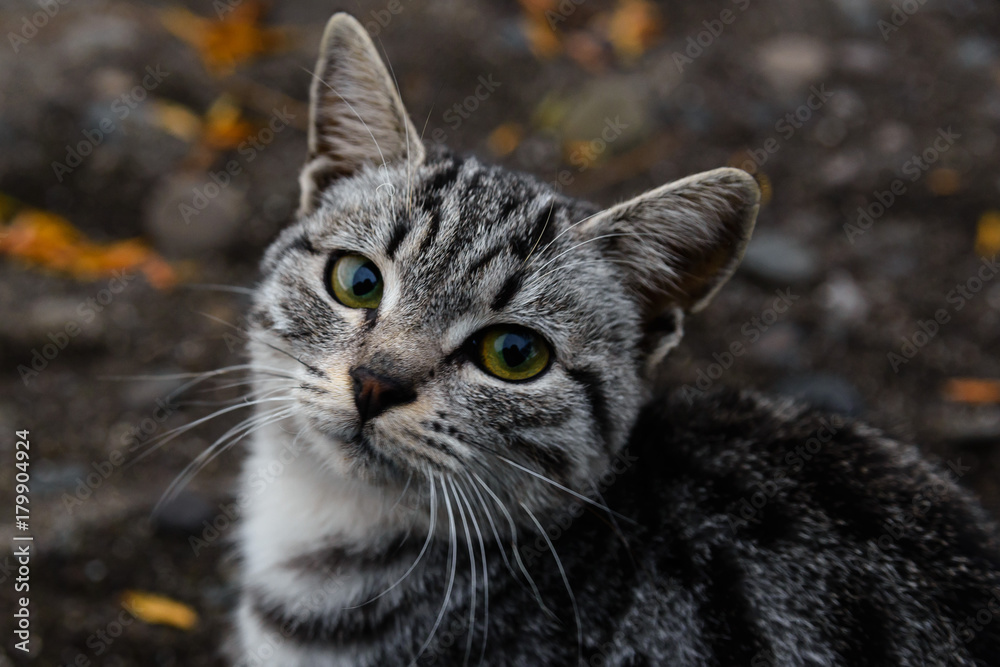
pixel 294 504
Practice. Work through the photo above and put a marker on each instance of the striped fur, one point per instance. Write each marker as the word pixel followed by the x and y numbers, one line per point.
pixel 574 518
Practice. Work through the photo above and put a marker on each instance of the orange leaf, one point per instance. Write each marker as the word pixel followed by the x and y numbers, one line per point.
pixel 988 234
pixel 224 126
pixel 160 610
pixel 944 181
pixel 635 26
pixel 47 240
pixel 972 390
pixel 233 38
pixel 505 138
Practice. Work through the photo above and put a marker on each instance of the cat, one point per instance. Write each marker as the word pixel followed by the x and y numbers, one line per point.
pixel 454 365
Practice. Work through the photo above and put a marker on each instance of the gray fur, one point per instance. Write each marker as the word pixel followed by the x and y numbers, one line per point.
pixel 452 488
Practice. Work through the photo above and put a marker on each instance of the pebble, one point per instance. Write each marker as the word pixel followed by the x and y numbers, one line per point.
pixel 824 391
pixel 180 228
pixel 791 61
pixel 779 259
pixel 183 515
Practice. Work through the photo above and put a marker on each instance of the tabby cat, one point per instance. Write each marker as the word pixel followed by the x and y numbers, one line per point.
pixel 475 468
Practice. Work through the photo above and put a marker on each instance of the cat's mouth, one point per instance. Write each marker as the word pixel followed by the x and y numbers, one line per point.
pixel 382 455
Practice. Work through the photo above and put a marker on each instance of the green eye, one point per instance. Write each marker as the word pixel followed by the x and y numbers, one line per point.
pixel 356 282
pixel 512 353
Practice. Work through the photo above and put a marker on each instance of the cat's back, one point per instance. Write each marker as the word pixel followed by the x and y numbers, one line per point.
pixel 798 537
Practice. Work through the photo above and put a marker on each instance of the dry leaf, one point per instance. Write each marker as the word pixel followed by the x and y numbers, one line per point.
pixel 223 43
pixel 634 26
pixel 944 181
pixel 176 119
pixel 224 127
pixel 542 39
pixel 988 234
pixel 972 390
pixel 160 610
pixel 505 138
pixel 51 242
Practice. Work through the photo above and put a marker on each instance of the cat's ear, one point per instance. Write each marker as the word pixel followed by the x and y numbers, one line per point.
pixel 355 116
pixel 677 245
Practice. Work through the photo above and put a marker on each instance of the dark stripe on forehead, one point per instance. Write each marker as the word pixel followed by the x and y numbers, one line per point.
pixel 398 234
pixel 486 258
pixel 300 244
pixel 592 386
pixel 507 291
pixel 542 229
pixel 432 195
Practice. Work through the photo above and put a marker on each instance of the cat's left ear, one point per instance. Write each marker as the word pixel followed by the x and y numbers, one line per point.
pixel 677 245
pixel 356 117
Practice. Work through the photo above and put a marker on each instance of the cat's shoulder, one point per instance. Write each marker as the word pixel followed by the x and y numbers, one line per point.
pixel 769 460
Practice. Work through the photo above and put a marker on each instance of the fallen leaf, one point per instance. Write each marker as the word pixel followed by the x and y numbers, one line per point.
pixel 160 610
pixel 224 126
pixel 988 234
pixel 972 390
pixel 542 39
pixel 49 241
pixel 223 43
pixel 944 181
pixel 177 119
pixel 634 26
pixel 505 138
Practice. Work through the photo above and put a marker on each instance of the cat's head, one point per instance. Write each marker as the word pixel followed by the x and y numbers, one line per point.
pixel 449 317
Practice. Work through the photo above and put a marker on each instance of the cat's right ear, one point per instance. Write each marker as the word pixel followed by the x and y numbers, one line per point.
pixel 675 246
pixel 356 117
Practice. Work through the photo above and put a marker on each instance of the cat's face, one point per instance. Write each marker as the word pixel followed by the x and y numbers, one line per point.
pixel 447 318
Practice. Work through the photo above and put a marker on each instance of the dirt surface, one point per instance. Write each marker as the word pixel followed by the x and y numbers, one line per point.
pixel 621 97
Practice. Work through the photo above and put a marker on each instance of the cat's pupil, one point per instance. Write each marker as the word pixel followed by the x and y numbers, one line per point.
pixel 515 349
pixel 364 280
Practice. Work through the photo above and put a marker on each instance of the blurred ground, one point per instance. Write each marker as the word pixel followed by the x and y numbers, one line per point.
pixel 139 120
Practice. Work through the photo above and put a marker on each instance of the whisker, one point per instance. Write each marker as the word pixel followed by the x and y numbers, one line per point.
pixel 556 484
pixel 430 535
pixel 575 224
pixel 562 573
pixel 453 552
pixel 472 581
pixel 540 235
pixel 213 451
pixel 486 575
pixel 219 288
pixel 517 552
pixel 160 441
